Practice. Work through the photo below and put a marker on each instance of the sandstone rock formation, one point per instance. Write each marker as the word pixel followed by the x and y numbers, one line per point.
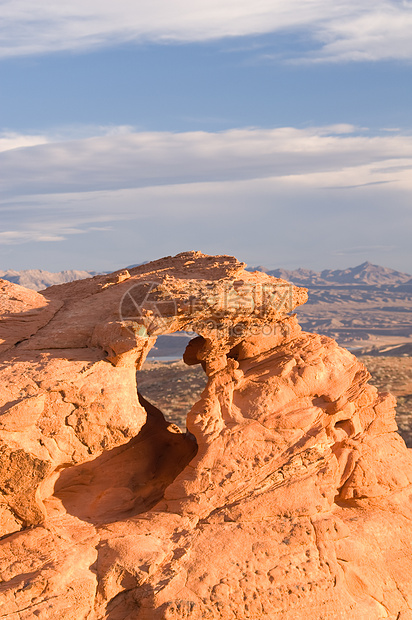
pixel 289 497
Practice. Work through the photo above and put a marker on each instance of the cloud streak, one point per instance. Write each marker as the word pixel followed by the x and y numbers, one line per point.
pixel 344 31
pixel 122 160
pixel 380 34
pixel 134 196
pixel 10 140
pixel 289 221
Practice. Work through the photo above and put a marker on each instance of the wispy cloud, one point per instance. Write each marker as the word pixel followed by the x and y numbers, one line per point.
pixel 285 221
pixel 382 33
pixel 120 160
pixel 340 31
pixel 157 193
pixel 11 140
pixel 11 237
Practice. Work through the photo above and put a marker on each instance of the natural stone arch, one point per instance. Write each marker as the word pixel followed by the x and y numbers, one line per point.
pixel 282 512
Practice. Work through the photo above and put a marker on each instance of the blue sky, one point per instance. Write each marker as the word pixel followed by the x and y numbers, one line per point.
pixel 277 131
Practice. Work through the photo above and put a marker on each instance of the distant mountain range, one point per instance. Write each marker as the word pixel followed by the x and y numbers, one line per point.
pixel 37 279
pixel 364 274
pixel 366 308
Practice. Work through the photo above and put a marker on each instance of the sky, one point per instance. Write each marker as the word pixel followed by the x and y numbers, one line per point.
pixel 278 131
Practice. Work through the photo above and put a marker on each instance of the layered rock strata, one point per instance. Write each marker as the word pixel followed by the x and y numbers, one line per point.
pixel 288 497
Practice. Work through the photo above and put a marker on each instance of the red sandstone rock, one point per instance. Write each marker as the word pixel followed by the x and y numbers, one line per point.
pixel 288 497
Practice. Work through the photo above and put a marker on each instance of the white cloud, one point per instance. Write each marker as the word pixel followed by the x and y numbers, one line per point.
pixel 120 160
pixel 292 220
pixel 11 237
pixel 383 33
pixel 149 194
pixel 11 140
pixel 345 30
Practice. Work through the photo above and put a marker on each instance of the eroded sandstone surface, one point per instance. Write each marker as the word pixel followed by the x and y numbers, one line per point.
pixel 289 495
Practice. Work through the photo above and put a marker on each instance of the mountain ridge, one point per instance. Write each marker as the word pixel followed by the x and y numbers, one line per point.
pixel 38 279
pixel 364 274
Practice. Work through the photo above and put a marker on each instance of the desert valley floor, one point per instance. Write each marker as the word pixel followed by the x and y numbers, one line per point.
pixel 174 387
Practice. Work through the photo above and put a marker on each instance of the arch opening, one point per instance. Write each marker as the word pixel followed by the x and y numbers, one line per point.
pixel 172 383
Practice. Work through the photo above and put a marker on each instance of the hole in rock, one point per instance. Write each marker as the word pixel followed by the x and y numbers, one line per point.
pixel 132 478
pixel 170 347
pixel 173 388
pixel 174 384
pixel 345 425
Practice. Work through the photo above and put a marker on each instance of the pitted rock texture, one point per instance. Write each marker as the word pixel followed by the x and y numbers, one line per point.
pixel 289 495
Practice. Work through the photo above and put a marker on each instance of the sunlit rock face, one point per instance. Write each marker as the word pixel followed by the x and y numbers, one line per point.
pixel 289 495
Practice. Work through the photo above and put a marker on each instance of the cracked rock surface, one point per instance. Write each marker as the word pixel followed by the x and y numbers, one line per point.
pixel 288 496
